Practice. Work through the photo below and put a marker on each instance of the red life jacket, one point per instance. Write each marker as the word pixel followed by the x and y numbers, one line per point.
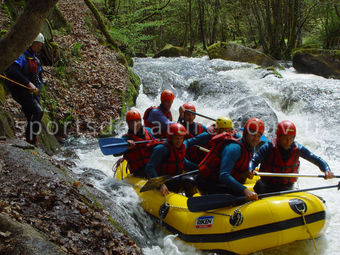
pixel 194 154
pixel 155 128
pixel 210 165
pixel 212 130
pixel 139 156
pixel 275 164
pixel 174 164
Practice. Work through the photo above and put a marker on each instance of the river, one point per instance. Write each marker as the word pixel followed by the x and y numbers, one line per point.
pixel 240 90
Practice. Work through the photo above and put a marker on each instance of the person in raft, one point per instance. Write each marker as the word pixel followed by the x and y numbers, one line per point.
pixel 160 117
pixel 187 119
pixel 137 155
pixel 225 168
pixel 168 158
pixel 282 156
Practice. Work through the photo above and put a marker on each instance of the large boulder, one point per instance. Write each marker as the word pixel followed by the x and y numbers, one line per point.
pixel 325 63
pixel 237 52
pixel 172 51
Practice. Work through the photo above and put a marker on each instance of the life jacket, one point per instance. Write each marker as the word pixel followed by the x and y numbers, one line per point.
pixel 210 165
pixel 139 156
pixel 31 69
pixel 275 164
pixel 194 154
pixel 174 164
pixel 212 130
pixel 155 128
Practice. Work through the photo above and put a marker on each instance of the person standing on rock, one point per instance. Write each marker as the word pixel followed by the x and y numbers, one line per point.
pixel 26 70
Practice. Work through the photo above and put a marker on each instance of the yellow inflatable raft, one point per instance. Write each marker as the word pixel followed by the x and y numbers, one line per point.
pixel 243 229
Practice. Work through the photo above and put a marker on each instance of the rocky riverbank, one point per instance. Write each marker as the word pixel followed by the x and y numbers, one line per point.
pixel 46 209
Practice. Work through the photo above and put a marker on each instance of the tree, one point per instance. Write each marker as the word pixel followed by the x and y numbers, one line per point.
pixel 24 31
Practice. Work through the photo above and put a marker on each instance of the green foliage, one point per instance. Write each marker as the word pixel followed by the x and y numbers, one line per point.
pixel 2 32
pixel 330 34
pixel 60 70
pixel 76 49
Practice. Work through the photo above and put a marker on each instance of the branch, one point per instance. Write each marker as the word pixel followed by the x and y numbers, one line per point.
pixel 154 13
pixel 101 24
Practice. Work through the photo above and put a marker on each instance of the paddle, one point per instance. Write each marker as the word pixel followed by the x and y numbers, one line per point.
pixel 114 145
pixel 263 138
pixel 216 201
pixel 291 175
pixel 204 116
pixel 156 182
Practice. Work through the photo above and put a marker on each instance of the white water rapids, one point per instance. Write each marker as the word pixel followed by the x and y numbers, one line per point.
pixel 220 88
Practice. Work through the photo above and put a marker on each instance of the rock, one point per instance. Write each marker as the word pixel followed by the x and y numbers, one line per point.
pixel 257 107
pixel 172 51
pixel 19 238
pixel 56 203
pixel 325 63
pixel 237 52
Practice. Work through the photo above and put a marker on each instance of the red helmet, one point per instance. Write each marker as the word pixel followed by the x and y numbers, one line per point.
pixel 132 115
pixel 189 106
pixel 176 129
pixel 254 125
pixel 285 127
pixel 167 95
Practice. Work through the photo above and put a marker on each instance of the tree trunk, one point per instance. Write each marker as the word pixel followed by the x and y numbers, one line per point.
pixel 101 24
pixel 191 34
pixel 201 22
pixel 215 22
pixel 24 31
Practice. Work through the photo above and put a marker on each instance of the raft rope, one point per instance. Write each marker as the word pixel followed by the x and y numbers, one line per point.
pixel 302 211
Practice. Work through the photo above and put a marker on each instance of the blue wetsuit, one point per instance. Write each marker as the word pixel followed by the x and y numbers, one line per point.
pixel 229 156
pixel 264 185
pixel 25 69
pixel 265 150
pixel 156 115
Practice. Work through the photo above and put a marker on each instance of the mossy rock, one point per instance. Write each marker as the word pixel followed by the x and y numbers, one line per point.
pixel 325 63
pixel 2 94
pixel 6 123
pixel 128 98
pixel 47 140
pixel 237 52
pixel 172 51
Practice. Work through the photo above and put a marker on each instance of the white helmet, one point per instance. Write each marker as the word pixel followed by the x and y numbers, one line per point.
pixel 39 38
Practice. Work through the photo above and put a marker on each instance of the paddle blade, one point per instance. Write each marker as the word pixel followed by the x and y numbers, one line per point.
pixel 112 145
pixel 212 202
pixel 154 183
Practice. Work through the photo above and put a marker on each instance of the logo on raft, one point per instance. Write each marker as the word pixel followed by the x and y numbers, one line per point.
pixel 204 222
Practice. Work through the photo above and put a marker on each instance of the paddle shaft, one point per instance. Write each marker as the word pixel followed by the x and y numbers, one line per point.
pixel 204 116
pixel 123 144
pixel 217 201
pixel 291 175
pixel 158 181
